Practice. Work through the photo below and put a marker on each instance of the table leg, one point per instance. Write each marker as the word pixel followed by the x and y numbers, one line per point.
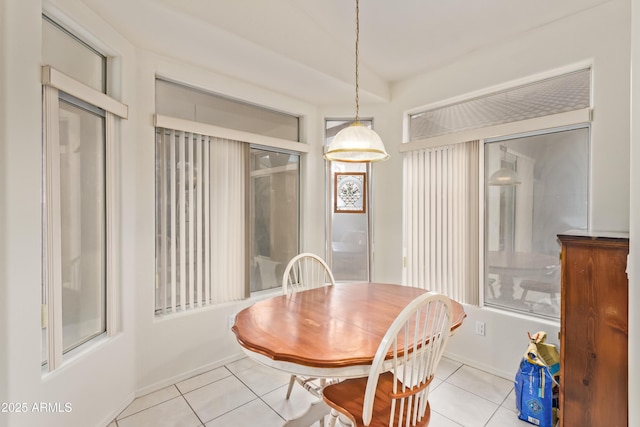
pixel 337 420
pixel 333 418
pixel 506 288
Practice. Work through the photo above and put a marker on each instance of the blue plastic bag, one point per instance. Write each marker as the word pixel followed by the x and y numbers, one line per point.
pixel 536 394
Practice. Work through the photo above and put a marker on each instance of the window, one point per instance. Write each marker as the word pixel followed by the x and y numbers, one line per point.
pixel 79 129
pixel 72 56
pixel 543 192
pixel 546 97
pixel 227 200
pixel 274 206
pixel 83 222
pixel 348 217
pixel 187 103
pixel 534 185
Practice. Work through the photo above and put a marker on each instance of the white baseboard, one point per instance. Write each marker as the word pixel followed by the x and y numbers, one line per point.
pixel 126 401
pixel 188 374
pixel 464 359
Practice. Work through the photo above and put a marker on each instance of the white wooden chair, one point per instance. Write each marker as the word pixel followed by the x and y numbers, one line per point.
pixel 397 389
pixel 306 271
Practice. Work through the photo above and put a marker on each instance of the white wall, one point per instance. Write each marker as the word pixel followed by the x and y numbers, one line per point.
pixel 4 214
pixel 101 382
pixel 600 36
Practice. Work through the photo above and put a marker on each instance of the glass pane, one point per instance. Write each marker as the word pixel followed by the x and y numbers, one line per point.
pixel 187 103
pixel 82 206
pixel 555 95
pixel 274 210
pixel 66 53
pixel 349 216
pixel 537 187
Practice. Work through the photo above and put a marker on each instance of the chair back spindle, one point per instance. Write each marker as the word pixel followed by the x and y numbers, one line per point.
pixel 397 389
pixel 306 271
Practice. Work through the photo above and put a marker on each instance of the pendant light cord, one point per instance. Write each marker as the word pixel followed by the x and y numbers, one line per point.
pixel 357 59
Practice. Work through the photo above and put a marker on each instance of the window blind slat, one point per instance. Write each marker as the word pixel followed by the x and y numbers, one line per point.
pixel 173 221
pixel 199 223
pixel 207 223
pixel 182 220
pixel 164 222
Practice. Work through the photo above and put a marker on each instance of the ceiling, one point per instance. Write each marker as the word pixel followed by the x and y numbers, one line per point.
pixel 305 48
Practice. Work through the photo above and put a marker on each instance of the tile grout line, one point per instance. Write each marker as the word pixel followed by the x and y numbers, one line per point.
pixel 189 404
pixel 149 407
pixel 259 397
pixel 231 373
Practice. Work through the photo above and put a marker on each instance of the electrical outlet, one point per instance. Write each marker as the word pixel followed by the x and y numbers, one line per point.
pixel 479 328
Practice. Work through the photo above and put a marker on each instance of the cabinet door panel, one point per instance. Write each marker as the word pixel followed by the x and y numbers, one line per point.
pixel 594 374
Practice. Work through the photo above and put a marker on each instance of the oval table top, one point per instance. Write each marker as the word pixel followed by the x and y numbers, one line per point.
pixel 326 328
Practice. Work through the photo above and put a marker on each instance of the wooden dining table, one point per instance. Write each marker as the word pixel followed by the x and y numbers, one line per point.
pixel 508 265
pixel 328 332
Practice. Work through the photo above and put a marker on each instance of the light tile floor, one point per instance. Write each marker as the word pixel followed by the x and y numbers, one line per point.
pixel 244 393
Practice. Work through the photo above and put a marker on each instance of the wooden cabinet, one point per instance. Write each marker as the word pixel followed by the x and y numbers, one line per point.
pixel 593 330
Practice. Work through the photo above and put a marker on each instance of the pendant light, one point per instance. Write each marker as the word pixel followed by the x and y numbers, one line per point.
pixel 504 175
pixel 356 143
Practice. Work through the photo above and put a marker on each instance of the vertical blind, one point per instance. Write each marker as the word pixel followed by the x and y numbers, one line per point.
pixel 441 206
pixel 200 220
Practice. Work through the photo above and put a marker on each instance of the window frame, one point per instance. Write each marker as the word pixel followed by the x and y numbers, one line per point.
pixel 484 279
pixel 579 117
pixel 253 141
pixel 56 83
pixel 330 170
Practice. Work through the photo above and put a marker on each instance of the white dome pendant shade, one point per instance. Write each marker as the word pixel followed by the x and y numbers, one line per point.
pixel 356 143
pixel 504 176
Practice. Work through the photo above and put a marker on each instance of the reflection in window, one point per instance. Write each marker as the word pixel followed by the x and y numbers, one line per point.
pixel 83 225
pixel 536 187
pixel 273 216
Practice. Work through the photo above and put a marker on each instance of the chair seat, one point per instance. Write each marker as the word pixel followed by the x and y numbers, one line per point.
pixel 347 397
